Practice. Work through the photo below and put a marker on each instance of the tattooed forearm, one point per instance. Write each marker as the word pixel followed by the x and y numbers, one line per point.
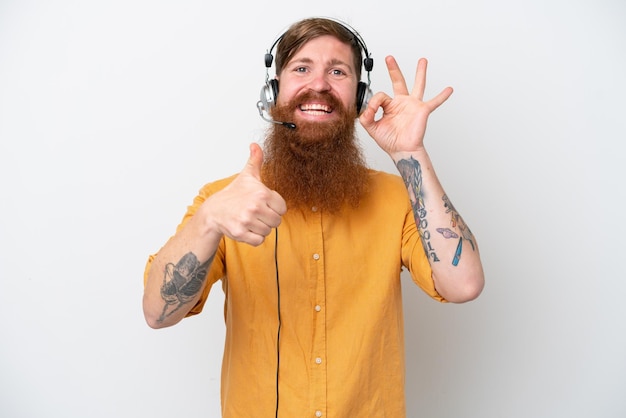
pixel 457 222
pixel 411 172
pixel 182 282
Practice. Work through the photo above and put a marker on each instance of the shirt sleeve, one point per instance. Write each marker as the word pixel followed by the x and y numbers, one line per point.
pixel 217 270
pixel 414 258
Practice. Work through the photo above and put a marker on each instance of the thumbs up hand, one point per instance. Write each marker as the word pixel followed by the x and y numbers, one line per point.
pixel 246 210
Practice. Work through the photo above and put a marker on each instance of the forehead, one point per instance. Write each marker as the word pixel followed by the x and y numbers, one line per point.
pixel 326 49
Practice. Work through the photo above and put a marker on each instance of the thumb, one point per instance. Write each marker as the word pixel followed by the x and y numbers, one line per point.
pixel 254 163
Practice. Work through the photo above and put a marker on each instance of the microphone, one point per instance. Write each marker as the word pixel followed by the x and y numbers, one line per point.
pixel 289 125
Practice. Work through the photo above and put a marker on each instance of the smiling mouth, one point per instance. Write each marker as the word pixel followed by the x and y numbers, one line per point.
pixel 316 109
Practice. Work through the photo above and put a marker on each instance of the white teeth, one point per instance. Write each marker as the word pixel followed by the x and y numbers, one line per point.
pixel 315 108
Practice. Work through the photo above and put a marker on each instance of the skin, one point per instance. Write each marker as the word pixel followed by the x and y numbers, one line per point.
pixel 247 210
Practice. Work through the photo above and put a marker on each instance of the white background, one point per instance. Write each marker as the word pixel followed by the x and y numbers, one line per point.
pixel 114 113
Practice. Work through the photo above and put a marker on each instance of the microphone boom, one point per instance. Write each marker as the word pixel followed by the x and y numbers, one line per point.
pixel 289 125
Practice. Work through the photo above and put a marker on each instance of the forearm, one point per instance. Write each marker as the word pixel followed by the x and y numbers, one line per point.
pixel 448 242
pixel 178 273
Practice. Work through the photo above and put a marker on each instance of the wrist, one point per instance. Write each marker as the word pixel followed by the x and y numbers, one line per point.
pixel 419 154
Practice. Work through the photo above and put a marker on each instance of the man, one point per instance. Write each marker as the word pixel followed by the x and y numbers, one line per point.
pixel 309 243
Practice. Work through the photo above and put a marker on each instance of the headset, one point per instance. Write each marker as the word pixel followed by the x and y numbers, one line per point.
pixel 269 92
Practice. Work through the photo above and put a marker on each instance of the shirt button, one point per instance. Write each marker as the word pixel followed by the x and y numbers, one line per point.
pixel 316 256
pixel 318 360
pixel 318 308
pixel 318 413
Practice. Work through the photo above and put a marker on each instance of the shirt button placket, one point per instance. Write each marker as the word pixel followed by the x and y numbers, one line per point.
pixel 319 370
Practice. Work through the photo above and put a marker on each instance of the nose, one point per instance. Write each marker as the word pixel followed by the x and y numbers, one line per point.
pixel 319 82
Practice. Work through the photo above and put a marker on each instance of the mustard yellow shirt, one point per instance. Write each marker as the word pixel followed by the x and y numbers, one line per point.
pixel 341 351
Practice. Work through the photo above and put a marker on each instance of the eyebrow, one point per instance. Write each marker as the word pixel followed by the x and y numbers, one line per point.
pixel 333 62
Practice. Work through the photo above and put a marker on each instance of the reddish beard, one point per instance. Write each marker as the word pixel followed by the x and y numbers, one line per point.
pixel 318 163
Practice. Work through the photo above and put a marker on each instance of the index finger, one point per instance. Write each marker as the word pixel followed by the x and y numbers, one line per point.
pixel 277 203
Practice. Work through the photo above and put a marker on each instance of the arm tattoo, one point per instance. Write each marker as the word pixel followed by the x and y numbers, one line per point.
pixel 457 221
pixel 411 172
pixel 182 282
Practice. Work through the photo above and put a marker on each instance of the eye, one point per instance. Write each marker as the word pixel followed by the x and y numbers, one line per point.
pixel 300 69
pixel 337 71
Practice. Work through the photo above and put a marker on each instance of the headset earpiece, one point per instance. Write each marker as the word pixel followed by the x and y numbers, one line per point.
pixel 269 93
pixel 363 96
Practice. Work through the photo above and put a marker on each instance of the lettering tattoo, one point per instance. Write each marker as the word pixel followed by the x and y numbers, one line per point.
pixel 411 172
pixel 182 282
pixel 456 222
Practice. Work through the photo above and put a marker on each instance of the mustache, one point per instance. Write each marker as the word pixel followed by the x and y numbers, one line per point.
pixel 324 97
